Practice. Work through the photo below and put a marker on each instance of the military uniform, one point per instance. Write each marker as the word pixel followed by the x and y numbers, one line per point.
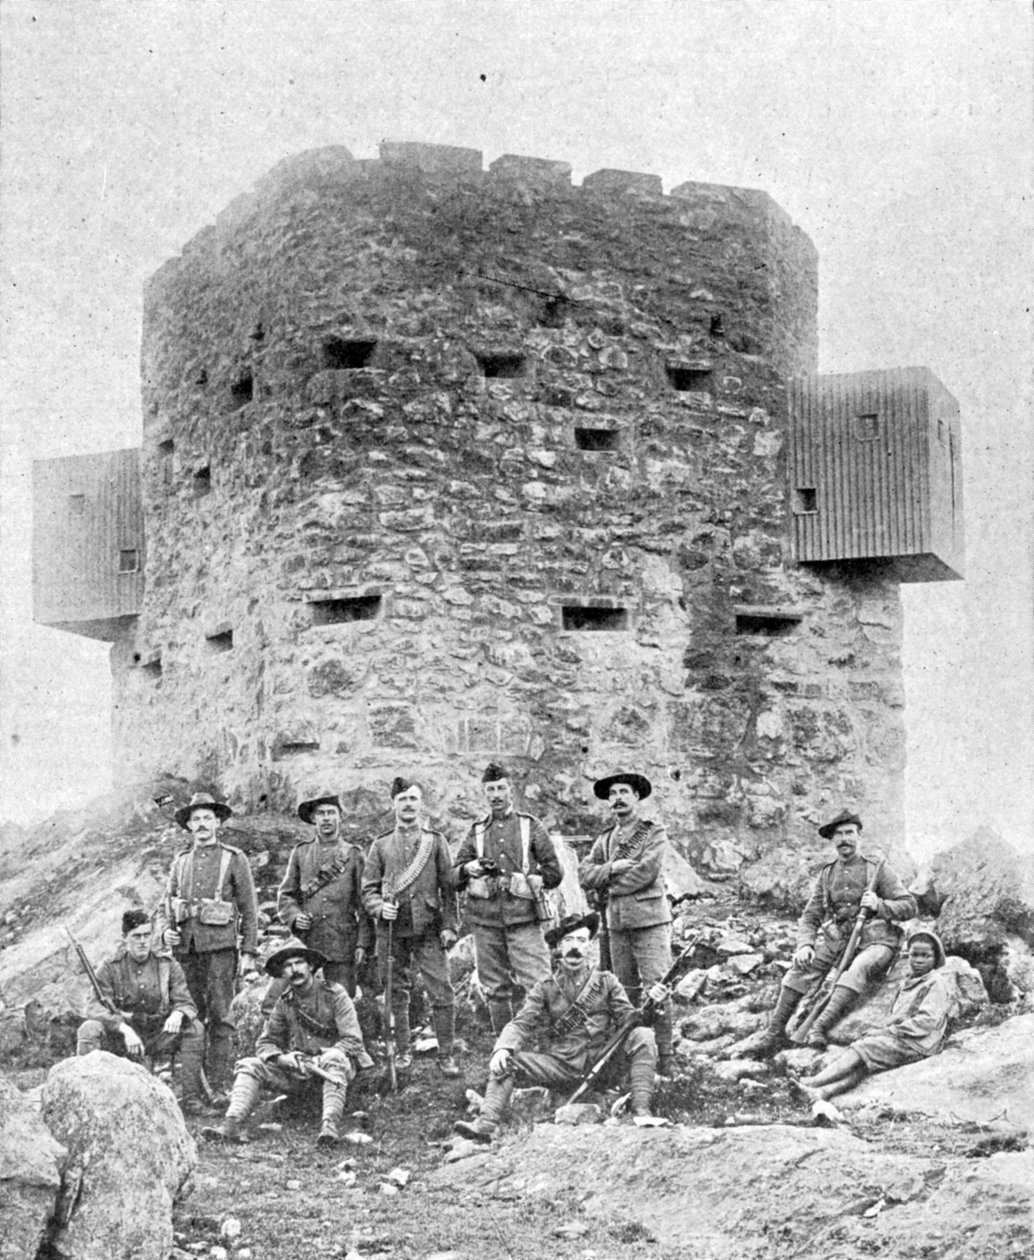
pixel 143 995
pixel 325 882
pixel 509 947
pixel 427 907
pixel 203 878
pixel 638 914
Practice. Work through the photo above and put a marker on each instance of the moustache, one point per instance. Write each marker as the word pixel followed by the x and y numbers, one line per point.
pixel 574 953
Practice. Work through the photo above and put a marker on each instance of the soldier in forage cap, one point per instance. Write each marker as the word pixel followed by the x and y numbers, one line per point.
pixel 408 882
pixel 504 864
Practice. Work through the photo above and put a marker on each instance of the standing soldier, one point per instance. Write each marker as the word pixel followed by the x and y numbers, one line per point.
pixel 409 890
pixel 210 895
pixel 846 886
pixel 141 1007
pixel 320 898
pixel 311 1038
pixel 626 864
pixel 505 862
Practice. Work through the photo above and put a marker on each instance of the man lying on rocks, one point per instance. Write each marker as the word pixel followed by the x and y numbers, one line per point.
pixel 311 1038
pixel 581 1008
pixel 916 1029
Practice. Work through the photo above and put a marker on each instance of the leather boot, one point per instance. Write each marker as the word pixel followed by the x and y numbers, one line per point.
pixel 497 1099
pixel 445 1031
pixel 192 1100
pixel 662 1030
pixel 840 1002
pixel 500 1012
pixel 403 1048
pixel 333 1110
pixel 243 1097
pixel 775 1033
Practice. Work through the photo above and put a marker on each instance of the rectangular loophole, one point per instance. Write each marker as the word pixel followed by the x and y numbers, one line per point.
pixel 805 500
pixel 202 481
pixel 219 641
pixel 77 503
pixel 242 390
pixel 502 364
pixel 580 617
pixel 299 749
pixel 166 452
pixel 766 621
pixel 867 427
pixel 343 353
pixel 685 376
pixel 150 665
pixel 332 612
pixel 129 560
pixel 590 439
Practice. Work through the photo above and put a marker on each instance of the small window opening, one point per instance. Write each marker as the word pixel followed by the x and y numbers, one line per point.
pixel 587 439
pixel 220 641
pixel 579 617
pixel 683 377
pixel 152 666
pixel 940 431
pixel 165 456
pixel 77 502
pixel 717 326
pixel 242 390
pixel 769 622
pixel 129 560
pixel 342 353
pixel 805 500
pixel 330 612
pixel 504 365
pixel 867 427
pixel 554 310
pixel 202 377
pixel 294 749
pixel 202 481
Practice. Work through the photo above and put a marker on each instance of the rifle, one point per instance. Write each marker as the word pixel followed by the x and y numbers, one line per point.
pixel 91 975
pixel 310 1067
pixel 800 1033
pixel 674 974
pixel 389 1014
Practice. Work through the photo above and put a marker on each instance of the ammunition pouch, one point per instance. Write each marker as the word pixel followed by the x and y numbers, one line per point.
pixel 520 887
pixel 212 912
pixel 481 888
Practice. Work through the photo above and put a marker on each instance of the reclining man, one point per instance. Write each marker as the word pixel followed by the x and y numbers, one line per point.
pixel 144 1009
pixel 313 1026
pixel 582 1008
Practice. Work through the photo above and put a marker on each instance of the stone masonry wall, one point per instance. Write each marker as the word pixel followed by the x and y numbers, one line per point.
pixel 376 381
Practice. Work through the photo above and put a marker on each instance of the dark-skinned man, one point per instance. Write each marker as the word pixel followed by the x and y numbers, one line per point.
pixel 408 882
pixel 626 865
pixel 506 860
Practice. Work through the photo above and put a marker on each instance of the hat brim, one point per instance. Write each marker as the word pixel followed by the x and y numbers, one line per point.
pixel 274 964
pixel 305 809
pixel 843 820
pixel 182 816
pixel 637 782
pixel 555 935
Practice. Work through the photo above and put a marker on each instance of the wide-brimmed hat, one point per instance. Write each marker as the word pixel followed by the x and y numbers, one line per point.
pixel 571 923
pixel 202 800
pixel 939 956
pixel 293 948
pixel 845 816
pixel 639 784
pixel 306 806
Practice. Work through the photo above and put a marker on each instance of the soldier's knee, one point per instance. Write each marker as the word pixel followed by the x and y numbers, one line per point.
pixel 641 1041
pixel 89 1037
pixel 251 1066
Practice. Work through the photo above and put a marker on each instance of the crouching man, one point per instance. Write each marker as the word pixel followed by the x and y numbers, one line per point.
pixel 311 1038
pixel 579 1008
pixel 143 1009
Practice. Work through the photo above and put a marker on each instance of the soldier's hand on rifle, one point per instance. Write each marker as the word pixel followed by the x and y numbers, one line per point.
pixel 474 868
pixel 389 911
pixel 659 993
pixel 171 938
pixel 302 922
pixel 246 965
pixel 134 1046
pixel 360 956
pixel 870 901
pixel 173 1023
pixel 499 1063
pixel 291 1061
pixel 448 939
pixel 803 955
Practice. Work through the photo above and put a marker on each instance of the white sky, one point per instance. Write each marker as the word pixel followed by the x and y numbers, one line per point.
pixel 898 136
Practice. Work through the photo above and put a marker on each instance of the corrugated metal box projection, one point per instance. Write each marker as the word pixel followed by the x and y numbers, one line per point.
pixel 876 472
pixel 88 542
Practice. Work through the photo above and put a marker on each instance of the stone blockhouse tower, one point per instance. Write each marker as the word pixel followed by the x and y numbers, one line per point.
pixel 443 465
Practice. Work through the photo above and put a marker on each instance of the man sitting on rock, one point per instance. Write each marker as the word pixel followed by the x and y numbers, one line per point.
pixel 841 891
pixel 916 1029
pixel 145 1010
pixel 311 1036
pixel 580 1009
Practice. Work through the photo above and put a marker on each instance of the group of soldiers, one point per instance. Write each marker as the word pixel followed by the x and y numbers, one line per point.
pixel 354 916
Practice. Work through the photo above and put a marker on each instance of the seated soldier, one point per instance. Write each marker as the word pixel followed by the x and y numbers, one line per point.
pixel 312 1035
pixel 145 1010
pixel 916 1029
pixel 580 1008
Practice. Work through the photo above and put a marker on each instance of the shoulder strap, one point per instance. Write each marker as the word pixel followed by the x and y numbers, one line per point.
pixel 164 970
pixel 479 838
pixel 415 869
pixel 525 842
pixel 224 866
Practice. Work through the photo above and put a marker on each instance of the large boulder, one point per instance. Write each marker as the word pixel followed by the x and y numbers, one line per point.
pixel 988 892
pixel 982 1075
pixel 130 1158
pixel 30 1177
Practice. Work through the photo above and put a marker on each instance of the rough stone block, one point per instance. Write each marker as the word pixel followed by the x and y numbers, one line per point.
pixel 30 1176
pixel 609 180
pixel 531 169
pixel 433 158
